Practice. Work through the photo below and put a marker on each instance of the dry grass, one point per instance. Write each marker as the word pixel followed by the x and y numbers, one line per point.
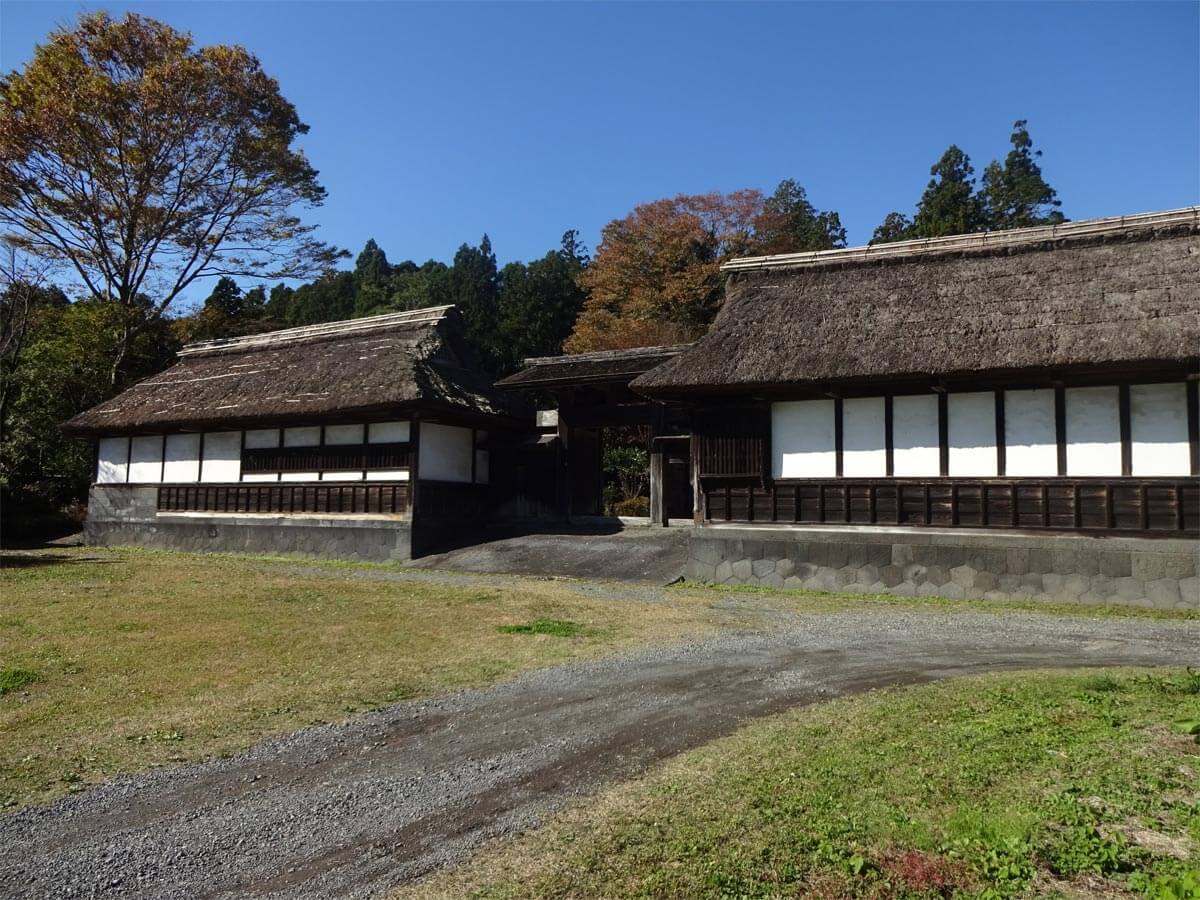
pixel 136 659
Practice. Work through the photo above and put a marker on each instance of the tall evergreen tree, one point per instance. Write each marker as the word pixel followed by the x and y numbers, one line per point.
pixel 474 289
pixel 1014 194
pixel 372 275
pixel 789 223
pixel 949 204
pixel 539 302
pixel 896 226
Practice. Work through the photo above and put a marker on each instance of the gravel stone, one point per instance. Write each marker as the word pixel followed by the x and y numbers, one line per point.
pixel 358 808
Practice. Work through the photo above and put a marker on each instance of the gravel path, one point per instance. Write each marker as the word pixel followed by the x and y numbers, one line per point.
pixel 354 809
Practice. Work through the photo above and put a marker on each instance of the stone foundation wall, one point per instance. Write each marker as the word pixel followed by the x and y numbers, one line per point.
pixel 123 515
pixel 1060 568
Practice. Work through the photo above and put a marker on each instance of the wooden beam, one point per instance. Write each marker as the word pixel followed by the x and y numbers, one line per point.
pixel 838 439
pixel 943 405
pixel 1060 427
pixel 1193 423
pixel 1126 431
pixel 888 443
pixel 1001 449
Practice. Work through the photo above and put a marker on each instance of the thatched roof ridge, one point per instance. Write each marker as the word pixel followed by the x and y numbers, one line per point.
pixel 984 242
pixel 586 368
pixel 1128 298
pixel 377 366
pixel 429 316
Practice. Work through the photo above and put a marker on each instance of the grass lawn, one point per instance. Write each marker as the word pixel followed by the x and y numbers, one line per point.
pixel 138 658
pixel 1037 784
pixel 115 661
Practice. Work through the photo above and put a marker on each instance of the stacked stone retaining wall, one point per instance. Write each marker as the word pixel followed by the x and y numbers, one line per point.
pixel 1060 568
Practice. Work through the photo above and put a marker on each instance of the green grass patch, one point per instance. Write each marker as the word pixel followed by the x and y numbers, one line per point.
pixel 1038 784
pixel 146 658
pixel 15 679
pixel 553 627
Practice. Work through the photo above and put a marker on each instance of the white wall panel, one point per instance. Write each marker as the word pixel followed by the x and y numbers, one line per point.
pixel 300 476
pixel 388 432
pixel 445 452
pixel 260 476
pixel 802 444
pixel 183 458
pixel 915 445
pixel 864 454
pixel 112 460
pixel 222 452
pixel 342 475
pixel 306 436
pixel 1093 431
pixel 387 475
pixel 344 434
pixel 262 437
pixel 971 432
pixel 1158 429
pixel 146 459
pixel 1030 438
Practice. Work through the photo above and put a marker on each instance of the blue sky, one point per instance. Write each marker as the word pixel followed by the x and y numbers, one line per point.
pixel 432 124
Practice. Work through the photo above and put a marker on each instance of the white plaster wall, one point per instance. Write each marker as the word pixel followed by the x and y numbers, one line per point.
pixel 971 432
pixel 145 459
pixel 864 451
pixel 1093 431
pixel 387 475
pixel 260 476
pixel 445 452
pixel 305 436
pixel 300 476
pixel 1030 438
pixel 112 458
pixel 915 446
pixel 802 440
pixel 388 432
pixel 1158 429
pixel 262 437
pixel 344 434
pixel 183 458
pixel 342 475
pixel 222 456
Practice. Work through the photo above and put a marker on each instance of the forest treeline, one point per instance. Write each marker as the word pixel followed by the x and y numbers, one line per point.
pixel 116 167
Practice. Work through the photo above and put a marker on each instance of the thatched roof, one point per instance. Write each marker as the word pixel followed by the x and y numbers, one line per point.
pixel 1112 292
pixel 363 367
pixel 605 366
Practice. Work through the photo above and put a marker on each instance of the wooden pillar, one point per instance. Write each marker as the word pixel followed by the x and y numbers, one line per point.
pixel 658 507
pixel 562 480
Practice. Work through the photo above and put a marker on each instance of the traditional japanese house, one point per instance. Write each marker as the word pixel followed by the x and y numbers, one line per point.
pixel 1006 414
pixel 368 439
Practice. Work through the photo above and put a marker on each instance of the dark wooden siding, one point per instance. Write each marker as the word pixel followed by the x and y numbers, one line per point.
pixel 1169 505
pixel 333 498
pixel 330 457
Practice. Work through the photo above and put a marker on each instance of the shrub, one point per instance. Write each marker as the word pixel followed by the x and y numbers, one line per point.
pixel 634 506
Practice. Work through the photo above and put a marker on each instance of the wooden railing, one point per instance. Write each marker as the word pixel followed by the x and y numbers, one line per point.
pixel 1104 504
pixel 332 498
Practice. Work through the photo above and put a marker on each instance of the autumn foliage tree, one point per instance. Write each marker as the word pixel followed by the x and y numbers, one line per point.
pixel 656 277
pixel 140 163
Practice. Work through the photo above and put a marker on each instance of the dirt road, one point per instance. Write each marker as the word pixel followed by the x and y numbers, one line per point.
pixel 355 809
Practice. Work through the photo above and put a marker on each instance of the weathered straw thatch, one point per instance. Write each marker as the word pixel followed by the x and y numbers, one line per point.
pixel 590 368
pixel 377 365
pixel 1117 293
